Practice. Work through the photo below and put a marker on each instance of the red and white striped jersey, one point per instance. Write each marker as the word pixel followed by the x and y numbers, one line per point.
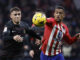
pixel 54 34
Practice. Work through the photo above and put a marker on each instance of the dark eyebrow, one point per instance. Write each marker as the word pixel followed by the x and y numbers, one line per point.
pixel 60 12
pixel 17 14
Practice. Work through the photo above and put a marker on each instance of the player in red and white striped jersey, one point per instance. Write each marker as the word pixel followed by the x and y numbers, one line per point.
pixel 56 32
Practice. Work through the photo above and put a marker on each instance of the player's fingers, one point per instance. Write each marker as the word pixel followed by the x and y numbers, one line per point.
pixel 20 39
pixel 31 53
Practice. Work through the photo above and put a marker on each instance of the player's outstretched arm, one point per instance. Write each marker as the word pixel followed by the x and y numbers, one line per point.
pixel 70 39
pixel 78 36
pixel 31 32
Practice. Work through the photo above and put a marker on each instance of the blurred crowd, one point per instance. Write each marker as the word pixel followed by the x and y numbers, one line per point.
pixel 28 7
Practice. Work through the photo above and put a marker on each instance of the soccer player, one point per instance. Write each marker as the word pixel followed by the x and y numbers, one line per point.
pixel 55 33
pixel 14 36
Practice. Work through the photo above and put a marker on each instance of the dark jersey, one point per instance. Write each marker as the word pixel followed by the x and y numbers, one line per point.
pixel 10 46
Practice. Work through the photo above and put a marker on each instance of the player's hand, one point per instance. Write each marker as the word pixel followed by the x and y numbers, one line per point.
pixel 18 38
pixel 31 53
pixel 38 42
pixel 78 36
pixel 26 47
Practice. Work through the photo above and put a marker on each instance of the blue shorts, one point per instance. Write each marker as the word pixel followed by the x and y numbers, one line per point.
pixel 56 57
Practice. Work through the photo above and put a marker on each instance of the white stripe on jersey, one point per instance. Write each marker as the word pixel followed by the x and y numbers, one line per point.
pixel 63 30
pixel 50 39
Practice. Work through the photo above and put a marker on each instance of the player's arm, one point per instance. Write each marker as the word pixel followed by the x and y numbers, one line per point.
pixel 67 37
pixel 6 34
pixel 32 33
pixel 49 21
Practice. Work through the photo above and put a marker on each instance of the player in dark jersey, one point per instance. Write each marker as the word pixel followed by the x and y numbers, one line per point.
pixel 14 35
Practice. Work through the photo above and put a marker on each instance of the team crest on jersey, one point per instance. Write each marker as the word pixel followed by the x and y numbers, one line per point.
pixel 5 29
pixel 59 36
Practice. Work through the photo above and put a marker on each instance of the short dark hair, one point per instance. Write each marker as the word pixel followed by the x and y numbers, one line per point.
pixel 39 10
pixel 15 9
pixel 59 7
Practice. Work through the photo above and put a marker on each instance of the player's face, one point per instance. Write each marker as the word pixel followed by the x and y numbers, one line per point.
pixel 15 16
pixel 59 15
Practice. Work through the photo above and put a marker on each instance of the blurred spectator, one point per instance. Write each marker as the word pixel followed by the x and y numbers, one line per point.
pixel 74 52
pixel 27 53
pixel 77 4
pixel 67 51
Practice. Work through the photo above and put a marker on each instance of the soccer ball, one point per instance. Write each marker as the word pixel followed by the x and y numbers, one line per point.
pixel 39 19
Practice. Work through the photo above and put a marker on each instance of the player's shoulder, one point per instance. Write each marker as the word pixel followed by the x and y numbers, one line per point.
pixel 64 25
pixel 50 18
pixel 24 24
pixel 9 23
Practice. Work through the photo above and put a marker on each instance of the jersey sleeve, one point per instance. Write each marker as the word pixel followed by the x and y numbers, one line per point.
pixel 31 32
pixel 50 21
pixel 67 37
pixel 6 33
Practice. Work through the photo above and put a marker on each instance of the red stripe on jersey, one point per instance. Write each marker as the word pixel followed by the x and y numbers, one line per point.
pixel 60 27
pixel 44 48
pixel 55 33
pixel 59 49
pixel 56 47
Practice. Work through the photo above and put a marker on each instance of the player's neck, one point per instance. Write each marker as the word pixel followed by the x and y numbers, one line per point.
pixel 16 23
pixel 58 22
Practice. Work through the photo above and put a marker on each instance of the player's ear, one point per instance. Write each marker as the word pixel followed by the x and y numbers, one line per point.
pixel 64 14
pixel 10 15
pixel 54 14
